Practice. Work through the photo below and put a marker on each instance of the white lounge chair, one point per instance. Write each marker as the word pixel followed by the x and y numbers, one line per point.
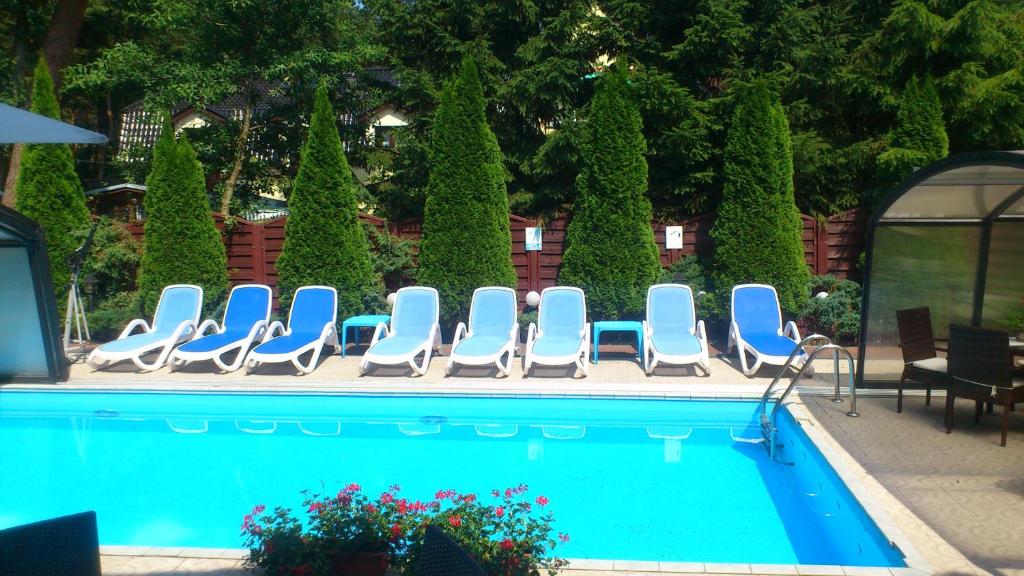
pixel 562 333
pixel 756 328
pixel 492 334
pixel 177 313
pixel 414 330
pixel 245 320
pixel 311 325
pixel 672 334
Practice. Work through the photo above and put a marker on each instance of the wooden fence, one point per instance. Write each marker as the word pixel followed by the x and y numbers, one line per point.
pixel 830 247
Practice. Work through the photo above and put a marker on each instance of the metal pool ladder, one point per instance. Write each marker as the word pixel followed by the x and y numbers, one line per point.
pixel 768 429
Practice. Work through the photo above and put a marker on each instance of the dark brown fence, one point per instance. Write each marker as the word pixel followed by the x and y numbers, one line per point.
pixel 832 246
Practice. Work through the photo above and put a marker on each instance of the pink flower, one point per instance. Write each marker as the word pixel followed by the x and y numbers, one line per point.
pixel 418 506
pixel 542 500
pixel 259 509
pixel 508 492
pixel 396 531
pixel 344 498
pixel 370 508
pixel 315 507
pixel 257 529
pixel 353 487
pixel 455 520
pixel 563 537
pixel 507 544
pixel 387 498
pixel 469 498
pixel 495 493
pixel 499 511
pixel 403 506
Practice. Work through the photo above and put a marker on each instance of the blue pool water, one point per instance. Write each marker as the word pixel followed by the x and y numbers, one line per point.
pixel 627 479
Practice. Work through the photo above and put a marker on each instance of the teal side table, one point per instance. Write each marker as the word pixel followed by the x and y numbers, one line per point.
pixel 357 322
pixel 619 326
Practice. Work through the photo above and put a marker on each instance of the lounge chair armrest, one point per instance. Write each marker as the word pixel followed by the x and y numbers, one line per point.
pixel 132 326
pixel 702 334
pixel 531 335
pixel 209 322
pixel 514 335
pixel 381 331
pixel 276 329
pixel 460 333
pixel 791 331
pixel 183 329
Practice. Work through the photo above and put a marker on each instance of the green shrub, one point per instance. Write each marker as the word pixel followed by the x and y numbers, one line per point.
pixel 918 138
pixel 838 315
pixel 48 189
pixel 113 314
pixel 113 262
pixel 466 240
pixel 181 243
pixel 324 241
pixel 693 271
pixel 758 233
pixel 391 257
pixel 610 249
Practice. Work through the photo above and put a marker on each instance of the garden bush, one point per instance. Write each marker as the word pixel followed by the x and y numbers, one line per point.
pixel 325 243
pixel 48 189
pixel 694 271
pixel 758 233
pixel 466 239
pixel 837 315
pixel 181 243
pixel 918 138
pixel 610 250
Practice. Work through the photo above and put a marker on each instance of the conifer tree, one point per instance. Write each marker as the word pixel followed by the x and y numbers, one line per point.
pixel 610 249
pixel 48 189
pixel 181 243
pixel 758 234
pixel 324 242
pixel 919 136
pixel 466 240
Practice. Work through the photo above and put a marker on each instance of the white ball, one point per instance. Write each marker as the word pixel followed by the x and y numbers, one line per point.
pixel 391 299
pixel 821 295
pixel 532 298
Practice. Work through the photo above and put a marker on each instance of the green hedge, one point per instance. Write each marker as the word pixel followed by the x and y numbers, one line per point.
pixel 918 137
pixel 48 189
pixel 181 243
pixel 610 249
pixel 758 233
pixel 466 240
pixel 324 241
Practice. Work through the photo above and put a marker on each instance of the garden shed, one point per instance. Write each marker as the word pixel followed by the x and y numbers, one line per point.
pixel 950 238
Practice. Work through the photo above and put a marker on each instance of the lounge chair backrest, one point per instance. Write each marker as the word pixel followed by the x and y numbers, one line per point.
pixel 247 305
pixel 416 312
pixel 493 312
pixel 178 303
pixel 980 355
pixel 755 308
pixel 917 340
pixel 562 312
pixel 670 308
pixel 312 308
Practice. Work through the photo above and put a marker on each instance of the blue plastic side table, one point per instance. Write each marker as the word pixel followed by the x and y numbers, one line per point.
pixel 619 326
pixel 357 322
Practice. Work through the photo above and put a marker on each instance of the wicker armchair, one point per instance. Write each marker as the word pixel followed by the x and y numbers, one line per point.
pixel 980 369
pixel 65 546
pixel 441 556
pixel 921 362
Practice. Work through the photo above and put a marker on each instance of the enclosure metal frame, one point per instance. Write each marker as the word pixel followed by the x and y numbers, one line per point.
pixel 991 158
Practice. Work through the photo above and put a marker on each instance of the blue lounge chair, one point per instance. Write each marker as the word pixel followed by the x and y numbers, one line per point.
pixel 177 313
pixel 492 334
pixel 311 325
pixel 757 328
pixel 562 333
pixel 414 330
pixel 245 320
pixel 672 334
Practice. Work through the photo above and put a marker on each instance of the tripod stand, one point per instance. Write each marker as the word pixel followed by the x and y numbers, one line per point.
pixel 75 312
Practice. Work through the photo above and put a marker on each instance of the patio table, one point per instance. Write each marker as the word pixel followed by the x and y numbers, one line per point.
pixel 357 322
pixel 619 326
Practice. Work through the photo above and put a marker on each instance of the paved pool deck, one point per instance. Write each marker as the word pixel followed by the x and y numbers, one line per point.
pixel 958 499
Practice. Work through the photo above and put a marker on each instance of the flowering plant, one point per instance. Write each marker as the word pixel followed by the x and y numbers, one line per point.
pixel 511 536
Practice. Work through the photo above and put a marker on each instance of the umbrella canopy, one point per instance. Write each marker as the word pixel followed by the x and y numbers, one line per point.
pixel 22 126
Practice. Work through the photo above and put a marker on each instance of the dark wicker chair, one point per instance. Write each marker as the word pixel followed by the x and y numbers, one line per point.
pixel 921 362
pixel 981 369
pixel 65 546
pixel 441 556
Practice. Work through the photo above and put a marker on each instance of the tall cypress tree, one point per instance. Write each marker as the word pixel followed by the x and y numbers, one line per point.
pixel 758 234
pixel 49 190
pixel 466 239
pixel 919 136
pixel 324 242
pixel 610 249
pixel 181 243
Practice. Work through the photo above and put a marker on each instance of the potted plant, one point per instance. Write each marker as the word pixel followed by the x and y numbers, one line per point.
pixel 1015 324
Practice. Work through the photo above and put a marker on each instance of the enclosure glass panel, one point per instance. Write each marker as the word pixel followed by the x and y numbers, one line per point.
pixel 22 353
pixel 1016 209
pixel 1004 288
pixel 916 266
pixel 950 201
pixel 5 235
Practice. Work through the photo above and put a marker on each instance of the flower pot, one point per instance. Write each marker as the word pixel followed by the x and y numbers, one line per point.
pixel 359 564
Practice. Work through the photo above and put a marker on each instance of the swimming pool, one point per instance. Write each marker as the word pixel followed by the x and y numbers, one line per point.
pixel 664 480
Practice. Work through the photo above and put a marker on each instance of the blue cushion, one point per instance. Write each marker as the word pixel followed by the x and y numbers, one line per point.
pixel 770 344
pixel 142 342
pixel 288 343
pixel 247 305
pixel 756 310
pixel 177 305
pixel 675 343
pixel 556 346
pixel 416 311
pixel 312 309
pixel 493 313
pixel 670 309
pixel 481 345
pixel 562 313
pixel 213 342
pixel 396 345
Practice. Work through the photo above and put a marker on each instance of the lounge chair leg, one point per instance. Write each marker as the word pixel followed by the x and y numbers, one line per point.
pixel 949 412
pixel 1006 424
pixel 899 393
pixel 978 405
pixel 927 394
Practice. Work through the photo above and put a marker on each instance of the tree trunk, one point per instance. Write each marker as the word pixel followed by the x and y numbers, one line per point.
pixel 10 195
pixel 241 149
pixel 62 36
